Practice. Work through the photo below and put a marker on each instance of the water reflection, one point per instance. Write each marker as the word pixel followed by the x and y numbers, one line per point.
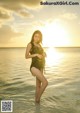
pixel 53 57
pixel 62 71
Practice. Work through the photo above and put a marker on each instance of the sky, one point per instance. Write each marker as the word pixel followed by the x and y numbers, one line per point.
pixel 59 24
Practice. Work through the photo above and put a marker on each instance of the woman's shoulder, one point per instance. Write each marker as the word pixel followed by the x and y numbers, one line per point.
pixel 29 45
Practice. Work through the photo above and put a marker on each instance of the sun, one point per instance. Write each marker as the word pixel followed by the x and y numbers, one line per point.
pixel 55 34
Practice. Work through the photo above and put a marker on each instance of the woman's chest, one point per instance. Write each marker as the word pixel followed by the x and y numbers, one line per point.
pixel 38 50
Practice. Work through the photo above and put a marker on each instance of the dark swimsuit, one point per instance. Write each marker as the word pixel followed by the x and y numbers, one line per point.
pixel 36 62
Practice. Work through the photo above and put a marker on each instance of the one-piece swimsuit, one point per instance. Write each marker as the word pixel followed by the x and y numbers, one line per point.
pixel 37 62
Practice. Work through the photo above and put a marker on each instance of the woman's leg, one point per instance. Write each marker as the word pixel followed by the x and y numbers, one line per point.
pixel 38 86
pixel 39 75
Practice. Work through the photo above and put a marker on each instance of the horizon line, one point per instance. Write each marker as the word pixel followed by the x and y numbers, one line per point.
pixel 47 47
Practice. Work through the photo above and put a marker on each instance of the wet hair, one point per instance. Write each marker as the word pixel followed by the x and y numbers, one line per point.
pixel 37 32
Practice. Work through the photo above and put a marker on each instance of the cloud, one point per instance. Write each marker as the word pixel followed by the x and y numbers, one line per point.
pixel 4 14
pixel 6 33
pixel 69 16
pixel 24 13
pixel 31 3
pixel 38 23
pixel 18 5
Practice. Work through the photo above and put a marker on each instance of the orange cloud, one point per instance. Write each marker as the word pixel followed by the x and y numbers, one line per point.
pixel 6 33
pixel 17 6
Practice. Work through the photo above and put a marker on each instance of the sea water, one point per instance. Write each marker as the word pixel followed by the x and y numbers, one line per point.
pixel 62 70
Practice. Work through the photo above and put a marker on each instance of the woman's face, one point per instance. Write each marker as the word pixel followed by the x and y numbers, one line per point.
pixel 37 38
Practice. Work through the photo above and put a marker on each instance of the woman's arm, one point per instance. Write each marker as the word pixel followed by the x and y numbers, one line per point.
pixel 27 54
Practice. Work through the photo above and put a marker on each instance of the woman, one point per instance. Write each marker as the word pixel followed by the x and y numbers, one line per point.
pixel 35 51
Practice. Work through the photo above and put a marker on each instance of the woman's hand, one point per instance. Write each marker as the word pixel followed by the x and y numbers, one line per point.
pixel 39 56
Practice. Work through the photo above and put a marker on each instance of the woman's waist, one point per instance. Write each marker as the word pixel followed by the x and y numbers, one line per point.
pixel 36 59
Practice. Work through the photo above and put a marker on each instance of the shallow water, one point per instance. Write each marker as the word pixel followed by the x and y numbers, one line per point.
pixel 62 71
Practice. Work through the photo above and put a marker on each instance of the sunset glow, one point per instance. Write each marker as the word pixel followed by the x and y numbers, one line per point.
pixel 54 34
pixel 59 24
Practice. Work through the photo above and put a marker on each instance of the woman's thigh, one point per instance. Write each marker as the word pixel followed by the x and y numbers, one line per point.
pixel 36 72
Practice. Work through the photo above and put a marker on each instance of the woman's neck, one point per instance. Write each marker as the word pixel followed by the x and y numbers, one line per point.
pixel 36 43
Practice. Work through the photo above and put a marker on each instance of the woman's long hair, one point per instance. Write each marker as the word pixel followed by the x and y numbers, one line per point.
pixel 36 32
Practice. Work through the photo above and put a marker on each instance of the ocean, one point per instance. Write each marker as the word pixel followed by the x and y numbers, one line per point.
pixel 62 70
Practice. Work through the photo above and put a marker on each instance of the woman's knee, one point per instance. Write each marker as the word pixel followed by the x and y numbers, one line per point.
pixel 38 86
pixel 45 83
